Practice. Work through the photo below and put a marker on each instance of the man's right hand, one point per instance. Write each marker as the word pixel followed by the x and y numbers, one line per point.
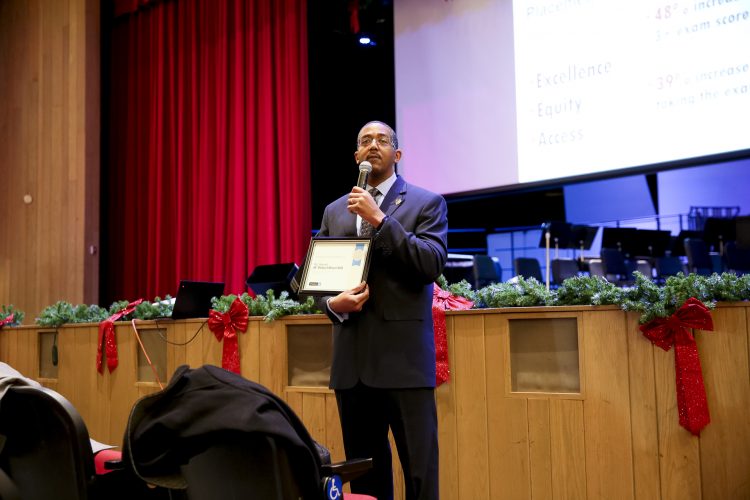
pixel 350 300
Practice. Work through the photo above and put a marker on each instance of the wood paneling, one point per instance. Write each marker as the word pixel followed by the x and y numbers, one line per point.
pixel 643 417
pixel 606 408
pixel 679 463
pixel 470 379
pixel 728 434
pixel 49 152
pixel 445 398
pixel 567 436
pixel 509 426
pixel 620 438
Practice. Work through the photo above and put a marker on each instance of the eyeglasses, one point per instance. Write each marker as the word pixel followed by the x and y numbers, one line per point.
pixel 382 140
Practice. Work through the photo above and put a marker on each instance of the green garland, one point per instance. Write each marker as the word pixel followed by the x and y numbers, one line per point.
pixel 63 312
pixel 6 311
pixel 460 289
pixel 645 297
pixel 268 306
pixel 521 293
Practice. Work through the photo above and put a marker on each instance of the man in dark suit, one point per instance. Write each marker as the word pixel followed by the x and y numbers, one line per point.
pixel 383 368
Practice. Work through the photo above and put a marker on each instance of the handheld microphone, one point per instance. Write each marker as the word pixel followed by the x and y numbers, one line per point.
pixel 364 170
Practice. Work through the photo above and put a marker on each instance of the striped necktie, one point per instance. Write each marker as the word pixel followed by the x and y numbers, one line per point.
pixel 365 229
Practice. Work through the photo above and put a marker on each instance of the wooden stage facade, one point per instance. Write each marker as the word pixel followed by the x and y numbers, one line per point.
pixel 556 402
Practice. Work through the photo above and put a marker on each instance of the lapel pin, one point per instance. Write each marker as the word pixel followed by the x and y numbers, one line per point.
pixel 399 201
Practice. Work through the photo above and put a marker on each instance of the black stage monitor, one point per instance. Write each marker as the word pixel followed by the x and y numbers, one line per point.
pixel 276 277
pixel 194 298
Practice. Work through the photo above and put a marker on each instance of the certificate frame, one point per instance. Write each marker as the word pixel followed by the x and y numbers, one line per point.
pixel 335 264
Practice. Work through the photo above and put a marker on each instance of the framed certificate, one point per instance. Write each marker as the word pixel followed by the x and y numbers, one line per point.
pixel 334 265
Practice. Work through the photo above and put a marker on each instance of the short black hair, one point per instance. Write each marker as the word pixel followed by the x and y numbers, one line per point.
pixel 394 138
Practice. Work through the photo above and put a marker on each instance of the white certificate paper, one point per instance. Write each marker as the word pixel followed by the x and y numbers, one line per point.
pixel 335 264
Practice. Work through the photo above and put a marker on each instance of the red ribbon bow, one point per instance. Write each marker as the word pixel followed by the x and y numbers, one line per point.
pixel 108 341
pixel 442 301
pixel 225 326
pixel 7 320
pixel 675 330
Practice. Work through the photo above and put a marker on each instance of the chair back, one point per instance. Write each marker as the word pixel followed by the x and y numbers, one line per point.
pixel 47 453
pixel 738 258
pixel 563 269
pixel 528 267
pixel 614 263
pixel 486 271
pixel 596 267
pixel 699 260
pixel 242 466
pixel 222 436
pixel 668 266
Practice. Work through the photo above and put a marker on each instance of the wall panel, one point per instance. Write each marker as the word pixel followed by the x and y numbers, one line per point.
pixel 49 152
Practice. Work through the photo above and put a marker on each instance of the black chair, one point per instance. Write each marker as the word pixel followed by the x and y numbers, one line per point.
pixel 643 266
pixel 213 434
pixel 737 258
pixel 563 269
pixel 528 267
pixel 668 266
pixel 47 452
pixel 699 260
pixel 8 489
pixel 616 267
pixel 485 271
pixel 596 267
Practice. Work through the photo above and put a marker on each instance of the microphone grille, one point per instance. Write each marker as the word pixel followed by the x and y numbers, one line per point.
pixel 365 166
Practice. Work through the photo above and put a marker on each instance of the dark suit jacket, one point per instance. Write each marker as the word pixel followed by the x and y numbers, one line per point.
pixel 201 406
pixel 390 343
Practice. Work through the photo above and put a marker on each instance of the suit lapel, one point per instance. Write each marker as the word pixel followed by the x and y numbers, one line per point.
pixel 395 198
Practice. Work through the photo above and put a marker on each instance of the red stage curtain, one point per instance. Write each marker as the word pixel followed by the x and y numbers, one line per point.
pixel 208 149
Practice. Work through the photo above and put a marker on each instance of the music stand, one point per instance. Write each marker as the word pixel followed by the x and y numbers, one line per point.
pixel 717 231
pixel 651 243
pixel 582 237
pixel 620 238
pixel 559 235
pixel 557 232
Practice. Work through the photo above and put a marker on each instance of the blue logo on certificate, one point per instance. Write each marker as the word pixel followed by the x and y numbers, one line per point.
pixel 359 250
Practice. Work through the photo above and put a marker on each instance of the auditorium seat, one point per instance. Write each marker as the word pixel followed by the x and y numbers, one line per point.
pixel 616 268
pixel 46 452
pixel 247 466
pixel 485 271
pixel 528 267
pixel 699 260
pixel 737 258
pixel 184 440
pixel 668 266
pixel 644 267
pixel 563 269
pixel 596 267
